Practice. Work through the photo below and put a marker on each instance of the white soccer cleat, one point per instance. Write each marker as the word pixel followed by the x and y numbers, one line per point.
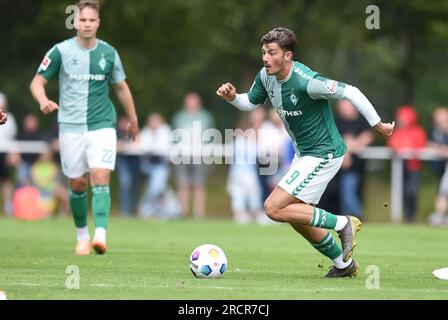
pixel 99 241
pixel 83 248
pixel 441 274
pixel 3 295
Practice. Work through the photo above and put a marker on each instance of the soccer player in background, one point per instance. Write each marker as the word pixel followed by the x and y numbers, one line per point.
pixel 86 66
pixel 300 97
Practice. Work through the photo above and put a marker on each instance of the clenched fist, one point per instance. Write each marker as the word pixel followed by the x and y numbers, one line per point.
pixel 227 91
pixel 385 129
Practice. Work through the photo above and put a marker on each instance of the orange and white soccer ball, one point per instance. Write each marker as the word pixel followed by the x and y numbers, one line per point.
pixel 208 261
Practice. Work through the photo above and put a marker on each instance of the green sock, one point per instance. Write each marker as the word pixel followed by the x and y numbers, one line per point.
pixel 78 205
pixel 323 219
pixel 328 247
pixel 101 206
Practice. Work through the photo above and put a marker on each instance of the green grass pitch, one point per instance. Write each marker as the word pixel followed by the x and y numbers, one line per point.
pixel 149 260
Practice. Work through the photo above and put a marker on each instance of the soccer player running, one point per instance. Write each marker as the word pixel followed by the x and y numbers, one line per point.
pixel 300 96
pixel 86 117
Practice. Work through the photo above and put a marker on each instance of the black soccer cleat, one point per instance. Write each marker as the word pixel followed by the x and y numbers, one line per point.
pixel 348 237
pixel 351 271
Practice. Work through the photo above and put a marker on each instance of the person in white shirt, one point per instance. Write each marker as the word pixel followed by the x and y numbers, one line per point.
pixel 8 133
pixel 155 144
pixel 243 185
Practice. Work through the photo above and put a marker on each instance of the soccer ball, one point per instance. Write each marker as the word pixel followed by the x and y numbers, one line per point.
pixel 208 261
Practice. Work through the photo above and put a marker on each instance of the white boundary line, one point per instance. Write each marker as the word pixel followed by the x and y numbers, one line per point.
pixel 270 289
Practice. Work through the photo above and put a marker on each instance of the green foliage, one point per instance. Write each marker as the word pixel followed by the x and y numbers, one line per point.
pixel 171 47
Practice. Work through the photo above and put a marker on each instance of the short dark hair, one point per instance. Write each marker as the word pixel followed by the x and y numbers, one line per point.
pixel 94 4
pixel 285 38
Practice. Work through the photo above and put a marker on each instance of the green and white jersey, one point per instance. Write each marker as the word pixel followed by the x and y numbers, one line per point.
pixel 84 79
pixel 301 101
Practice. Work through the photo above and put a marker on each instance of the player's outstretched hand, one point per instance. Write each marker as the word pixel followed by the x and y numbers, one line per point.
pixel 227 91
pixel 133 129
pixel 3 117
pixel 385 129
pixel 48 106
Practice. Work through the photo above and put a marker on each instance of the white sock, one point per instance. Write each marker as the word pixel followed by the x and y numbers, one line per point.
pixel 341 223
pixel 82 234
pixel 341 264
pixel 100 235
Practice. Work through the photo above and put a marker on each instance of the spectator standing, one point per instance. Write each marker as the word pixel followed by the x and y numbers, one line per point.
pixel 8 132
pixel 438 140
pixel 155 144
pixel 45 175
pixel 357 135
pixel 128 170
pixel 409 137
pixel 243 184
pixel 30 132
pixel 193 120
pixel 267 141
pixel 285 147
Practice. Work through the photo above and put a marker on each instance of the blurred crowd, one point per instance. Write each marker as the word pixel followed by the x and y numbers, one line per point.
pixel 150 186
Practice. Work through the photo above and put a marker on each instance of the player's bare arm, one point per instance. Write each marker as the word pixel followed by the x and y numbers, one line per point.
pixel 125 97
pixel 37 89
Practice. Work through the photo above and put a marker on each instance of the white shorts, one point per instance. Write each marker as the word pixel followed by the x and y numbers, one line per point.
pixel 309 176
pixel 81 152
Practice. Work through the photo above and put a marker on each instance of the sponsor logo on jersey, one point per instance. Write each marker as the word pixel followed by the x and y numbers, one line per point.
pixel 294 113
pixel 331 85
pixel 45 63
pixel 87 77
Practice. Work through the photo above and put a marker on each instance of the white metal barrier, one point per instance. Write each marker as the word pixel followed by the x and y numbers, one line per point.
pixel 397 162
pixel 370 153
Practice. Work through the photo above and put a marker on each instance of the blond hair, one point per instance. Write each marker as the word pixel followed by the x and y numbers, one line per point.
pixel 94 4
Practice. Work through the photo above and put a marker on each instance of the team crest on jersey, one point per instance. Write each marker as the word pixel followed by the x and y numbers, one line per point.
pixel 102 63
pixel 293 98
pixel 331 85
pixel 45 63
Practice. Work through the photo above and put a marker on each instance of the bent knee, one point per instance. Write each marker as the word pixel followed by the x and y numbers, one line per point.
pixel 273 211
